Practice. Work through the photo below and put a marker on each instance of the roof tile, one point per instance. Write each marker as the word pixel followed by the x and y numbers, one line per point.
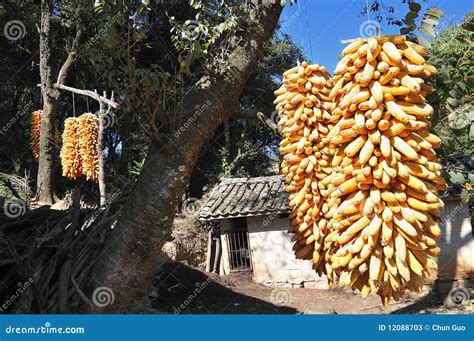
pixel 240 197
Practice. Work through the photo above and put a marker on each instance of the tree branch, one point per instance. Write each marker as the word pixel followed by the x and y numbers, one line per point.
pixel 71 57
pixel 89 93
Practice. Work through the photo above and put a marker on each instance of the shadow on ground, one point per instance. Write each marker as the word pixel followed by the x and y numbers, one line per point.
pixel 180 289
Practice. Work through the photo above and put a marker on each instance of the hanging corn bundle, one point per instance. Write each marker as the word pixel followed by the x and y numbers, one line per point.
pixel 304 107
pixel 70 152
pixel 88 137
pixel 386 173
pixel 35 130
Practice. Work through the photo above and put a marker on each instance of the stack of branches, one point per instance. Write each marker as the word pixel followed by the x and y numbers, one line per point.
pixel 17 185
pixel 46 257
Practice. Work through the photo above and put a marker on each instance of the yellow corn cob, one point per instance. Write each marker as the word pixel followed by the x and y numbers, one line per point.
pixel 397 112
pixel 35 130
pixel 415 109
pixel 395 90
pixel 408 82
pixel 392 52
pixel 411 54
pixel 366 151
pixel 354 147
pixel 404 148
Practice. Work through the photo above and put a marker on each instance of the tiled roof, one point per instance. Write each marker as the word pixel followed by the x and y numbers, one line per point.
pixel 243 197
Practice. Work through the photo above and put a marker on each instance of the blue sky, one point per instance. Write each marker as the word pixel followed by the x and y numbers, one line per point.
pixel 322 24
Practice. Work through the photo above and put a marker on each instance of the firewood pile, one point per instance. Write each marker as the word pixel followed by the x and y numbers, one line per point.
pixel 46 256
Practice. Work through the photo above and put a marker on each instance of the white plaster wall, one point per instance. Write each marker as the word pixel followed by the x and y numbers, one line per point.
pixel 456 258
pixel 273 259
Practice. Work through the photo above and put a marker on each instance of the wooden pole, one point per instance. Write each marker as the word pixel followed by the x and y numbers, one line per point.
pixel 209 251
pixel 100 153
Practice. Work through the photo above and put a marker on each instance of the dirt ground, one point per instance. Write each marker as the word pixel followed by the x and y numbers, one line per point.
pixel 185 290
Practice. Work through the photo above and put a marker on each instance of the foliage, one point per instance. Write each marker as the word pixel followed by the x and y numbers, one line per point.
pixel 411 22
pixel 426 24
pixel 452 54
pixel 452 99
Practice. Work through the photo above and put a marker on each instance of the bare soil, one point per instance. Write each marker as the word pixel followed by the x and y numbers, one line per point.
pixel 185 290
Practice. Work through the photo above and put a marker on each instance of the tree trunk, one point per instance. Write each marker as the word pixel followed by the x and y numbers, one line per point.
pixel 45 184
pixel 132 252
pixel 45 180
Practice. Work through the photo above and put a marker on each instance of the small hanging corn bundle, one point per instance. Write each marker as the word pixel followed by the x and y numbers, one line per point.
pixel 35 130
pixel 386 171
pixel 70 152
pixel 88 137
pixel 304 109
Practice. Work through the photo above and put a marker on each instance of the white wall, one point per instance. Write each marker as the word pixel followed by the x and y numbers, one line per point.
pixel 456 258
pixel 273 259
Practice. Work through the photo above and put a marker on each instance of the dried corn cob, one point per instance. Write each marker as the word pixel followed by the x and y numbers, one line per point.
pixel 70 152
pixel 35 130
pixel 383 231
pixel 88 136
pixel 304 121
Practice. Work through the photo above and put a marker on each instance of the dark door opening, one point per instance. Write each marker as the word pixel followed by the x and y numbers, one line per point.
pixel 240 258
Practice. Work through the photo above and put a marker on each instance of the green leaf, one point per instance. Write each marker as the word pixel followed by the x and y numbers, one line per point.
pixel 405 30
pixel 462 86
pixel 464 196
pixel 453 93
pixel 456 177
pixel 471 178
pixel 414 6
pixel 452 101
pixel 435 11
pixel 431 21
pixel 411 16
pixel 468 26
pixel 471 132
